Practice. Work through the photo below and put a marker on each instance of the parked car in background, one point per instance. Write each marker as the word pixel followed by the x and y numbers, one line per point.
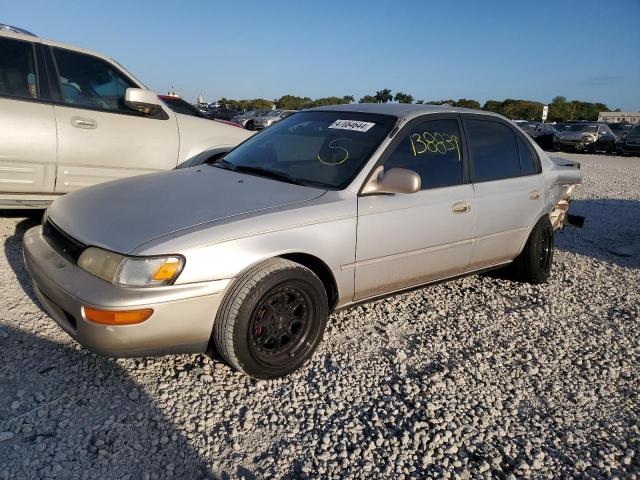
pixel 620 130
pixel 70 118
pixel 587 137
pixel 561 127
pixel 246 119
pixel 631 145
pixel 251 253
pixel 222 113
pixel 274 116
pixel 543 133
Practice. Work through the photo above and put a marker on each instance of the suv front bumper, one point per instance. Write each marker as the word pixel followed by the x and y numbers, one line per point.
pixel 182 319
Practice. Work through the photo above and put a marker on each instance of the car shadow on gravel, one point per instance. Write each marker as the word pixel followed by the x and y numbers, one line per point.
pixel 13 247
pixel 611 232
pixel 68 413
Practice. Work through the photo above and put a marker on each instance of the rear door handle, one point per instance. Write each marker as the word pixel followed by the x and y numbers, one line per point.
pixel 534 195
pixel 81 122
pixel 461 207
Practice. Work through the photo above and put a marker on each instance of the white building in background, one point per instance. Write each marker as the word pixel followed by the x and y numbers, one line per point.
pixel 612 117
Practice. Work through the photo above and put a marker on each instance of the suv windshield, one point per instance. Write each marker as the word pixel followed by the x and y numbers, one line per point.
pixel 583 127
pixel 619 127
pixel 325 149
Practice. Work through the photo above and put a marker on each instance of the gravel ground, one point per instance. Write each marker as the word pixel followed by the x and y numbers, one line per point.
pixel 480 377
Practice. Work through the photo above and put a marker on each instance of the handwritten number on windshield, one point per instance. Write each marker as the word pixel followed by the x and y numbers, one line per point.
pixel 434 142
pixel 332 146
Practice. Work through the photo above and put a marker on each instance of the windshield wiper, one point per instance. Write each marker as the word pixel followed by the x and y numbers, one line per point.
pixel 265 172
pixel 222 163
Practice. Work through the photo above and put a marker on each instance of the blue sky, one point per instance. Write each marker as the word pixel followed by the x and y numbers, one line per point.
pixel 586 50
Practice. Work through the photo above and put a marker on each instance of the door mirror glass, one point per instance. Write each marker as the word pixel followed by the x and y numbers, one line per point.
pixel 143 101
pixel 394 180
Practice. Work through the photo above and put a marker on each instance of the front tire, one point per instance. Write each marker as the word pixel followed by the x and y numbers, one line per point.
pixel 533 265
pixel 272 319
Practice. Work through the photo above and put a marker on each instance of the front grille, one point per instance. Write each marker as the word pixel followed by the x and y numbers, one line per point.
pixel 62 243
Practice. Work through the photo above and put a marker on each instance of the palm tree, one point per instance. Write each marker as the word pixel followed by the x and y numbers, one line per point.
pixel 383 96
pixel 403 98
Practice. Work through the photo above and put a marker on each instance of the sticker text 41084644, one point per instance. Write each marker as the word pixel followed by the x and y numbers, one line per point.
pixel 434 142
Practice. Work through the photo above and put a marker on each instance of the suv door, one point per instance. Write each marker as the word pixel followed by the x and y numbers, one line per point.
pixel 27 122
pixel 405 240
pixel 509 189
pixel 99 137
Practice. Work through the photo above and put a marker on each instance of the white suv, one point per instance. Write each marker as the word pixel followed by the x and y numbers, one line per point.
pixel 70 118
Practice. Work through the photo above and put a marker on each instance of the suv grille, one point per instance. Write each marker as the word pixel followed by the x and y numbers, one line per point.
pixel 62 243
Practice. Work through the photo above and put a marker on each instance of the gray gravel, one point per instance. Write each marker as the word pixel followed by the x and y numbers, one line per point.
pixel 476 378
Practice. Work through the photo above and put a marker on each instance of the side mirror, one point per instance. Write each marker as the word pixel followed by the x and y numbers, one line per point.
pixel 394 180
pixel 144 101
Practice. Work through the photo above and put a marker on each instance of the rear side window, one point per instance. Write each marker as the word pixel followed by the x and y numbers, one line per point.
pixel 90 82
pixel 431 149
pixel 17 69
pixel 494 150
pixel 527 161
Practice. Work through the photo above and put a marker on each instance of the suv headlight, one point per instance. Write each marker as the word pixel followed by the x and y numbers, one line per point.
pixel 588 138
pixel 131 271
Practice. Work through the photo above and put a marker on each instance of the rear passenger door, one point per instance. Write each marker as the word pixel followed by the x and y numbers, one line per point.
pixel 405 240
pixel 27 122
pixel 509 188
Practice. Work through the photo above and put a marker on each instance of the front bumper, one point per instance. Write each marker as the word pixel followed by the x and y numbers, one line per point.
pixel 182 319
pixel 574 144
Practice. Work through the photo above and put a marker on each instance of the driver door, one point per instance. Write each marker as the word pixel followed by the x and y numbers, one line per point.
pixel 405 240
pixel 99 137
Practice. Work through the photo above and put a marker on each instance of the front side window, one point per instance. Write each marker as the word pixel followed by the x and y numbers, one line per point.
pixel 432 149
pixel 17 69
pixel 90 82
pixel 493 149
pixel 325 149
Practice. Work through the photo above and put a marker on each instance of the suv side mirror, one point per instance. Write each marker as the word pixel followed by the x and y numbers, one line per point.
pixel 394 180
pixel 143 101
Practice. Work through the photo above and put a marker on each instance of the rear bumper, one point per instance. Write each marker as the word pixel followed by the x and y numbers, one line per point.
pixel 182 319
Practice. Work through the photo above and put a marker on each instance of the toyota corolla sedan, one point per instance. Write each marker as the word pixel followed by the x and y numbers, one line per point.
pixel 330 207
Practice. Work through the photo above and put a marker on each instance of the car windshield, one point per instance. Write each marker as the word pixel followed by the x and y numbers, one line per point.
pixel 583 127
pixel 273 113
pixel 325 149
pixel 634 131
pixel 528 126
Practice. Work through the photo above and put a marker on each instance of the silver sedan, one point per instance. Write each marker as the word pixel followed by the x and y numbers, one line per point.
pixel 330 207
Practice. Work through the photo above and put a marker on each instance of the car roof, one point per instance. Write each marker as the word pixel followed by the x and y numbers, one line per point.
pixel 401 110
pixel 9 28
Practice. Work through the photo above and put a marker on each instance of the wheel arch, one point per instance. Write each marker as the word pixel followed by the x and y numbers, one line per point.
pixel 321 269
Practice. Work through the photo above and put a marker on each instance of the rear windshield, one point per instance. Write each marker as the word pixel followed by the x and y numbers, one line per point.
pixel 325 149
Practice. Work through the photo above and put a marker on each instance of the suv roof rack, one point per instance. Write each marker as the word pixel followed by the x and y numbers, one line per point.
pixel 9 28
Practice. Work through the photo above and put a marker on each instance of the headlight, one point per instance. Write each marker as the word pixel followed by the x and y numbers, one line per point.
pixel 588 138
pixel 131 271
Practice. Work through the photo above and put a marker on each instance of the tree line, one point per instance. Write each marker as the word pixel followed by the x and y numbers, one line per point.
pixel 560 109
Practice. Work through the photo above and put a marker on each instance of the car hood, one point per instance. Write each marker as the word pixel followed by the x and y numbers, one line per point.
pixel 124 214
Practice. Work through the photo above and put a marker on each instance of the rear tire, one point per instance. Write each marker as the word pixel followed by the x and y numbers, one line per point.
pixel 533 265
pixel 272 319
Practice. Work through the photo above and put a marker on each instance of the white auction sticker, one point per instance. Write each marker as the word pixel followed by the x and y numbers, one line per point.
pixel 352 125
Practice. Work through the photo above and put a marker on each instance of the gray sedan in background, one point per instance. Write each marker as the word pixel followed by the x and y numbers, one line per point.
pixel 270 118
pixel 330 207
pixel 246 119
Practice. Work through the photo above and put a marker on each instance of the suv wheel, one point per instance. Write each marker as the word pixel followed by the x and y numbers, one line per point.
pixel 272 319
pixel 533 265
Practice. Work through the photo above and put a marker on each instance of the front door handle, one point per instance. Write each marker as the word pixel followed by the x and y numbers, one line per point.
pixel 461 207
pixel 81 122
pixel 534 195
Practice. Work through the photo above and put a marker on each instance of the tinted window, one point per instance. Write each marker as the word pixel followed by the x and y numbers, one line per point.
pixel 493 149
pixel 431 149
pixel 527 162
pixel 87 81
pixel 17 69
